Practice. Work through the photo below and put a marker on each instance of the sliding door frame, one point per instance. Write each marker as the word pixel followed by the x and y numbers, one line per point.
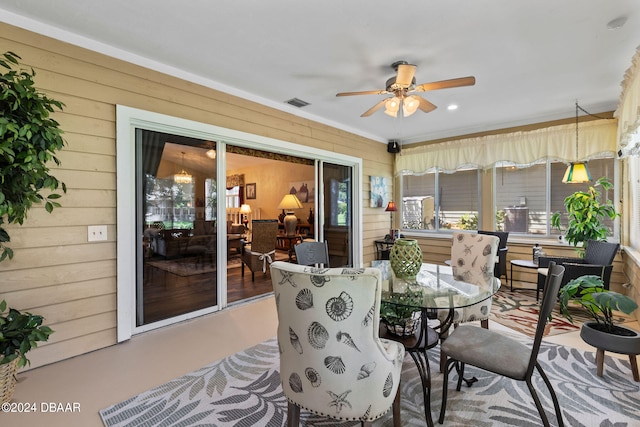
pixel 127 120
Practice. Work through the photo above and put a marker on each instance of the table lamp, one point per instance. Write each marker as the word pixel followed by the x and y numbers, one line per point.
pixel 245 210
pixel 391 208
pixel 288 203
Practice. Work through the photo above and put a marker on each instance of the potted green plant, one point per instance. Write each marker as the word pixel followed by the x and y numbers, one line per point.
pixel 602 333
pixel 19 333
pixel 29 139
pixel 400 313
pixel 586 211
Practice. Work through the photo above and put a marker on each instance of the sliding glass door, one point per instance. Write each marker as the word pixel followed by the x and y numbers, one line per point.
pixel 178 256
pixel 176 222
pixel 338 223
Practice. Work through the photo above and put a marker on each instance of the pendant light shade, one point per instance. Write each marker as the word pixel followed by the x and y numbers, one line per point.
pixel 577 172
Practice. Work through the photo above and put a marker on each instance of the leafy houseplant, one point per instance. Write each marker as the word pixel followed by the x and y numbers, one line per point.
pixel 586 212
pixel 589 292
pixel 19 333
pixel 400 312
pixel 29 139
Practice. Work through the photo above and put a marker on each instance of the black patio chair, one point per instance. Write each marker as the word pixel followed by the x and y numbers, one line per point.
pixel 597 261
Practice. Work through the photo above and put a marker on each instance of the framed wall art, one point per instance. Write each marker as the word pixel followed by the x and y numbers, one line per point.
pixel 379 191
pixel 251 191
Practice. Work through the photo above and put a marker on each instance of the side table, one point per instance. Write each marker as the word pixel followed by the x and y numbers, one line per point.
pixel 524 263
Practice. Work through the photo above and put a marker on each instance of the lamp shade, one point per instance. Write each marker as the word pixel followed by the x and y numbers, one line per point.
pixel 577 173
pixel 245 209
pixel 391 106
pixel 410 105
pixel 391 207
pixel 289 202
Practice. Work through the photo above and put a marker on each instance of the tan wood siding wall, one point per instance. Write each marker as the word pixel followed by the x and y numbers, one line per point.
pixel 55 271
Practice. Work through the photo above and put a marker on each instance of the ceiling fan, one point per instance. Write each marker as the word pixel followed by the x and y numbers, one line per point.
pixel 402 85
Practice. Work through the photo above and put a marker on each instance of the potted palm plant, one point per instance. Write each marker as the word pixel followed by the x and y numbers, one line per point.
pixel 602 333
pixel 586 212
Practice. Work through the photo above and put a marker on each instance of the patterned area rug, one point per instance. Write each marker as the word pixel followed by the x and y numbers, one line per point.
pixel 519 311
pixel 244 390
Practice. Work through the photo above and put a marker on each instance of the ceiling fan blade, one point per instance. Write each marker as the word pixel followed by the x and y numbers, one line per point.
pixel 406 72
pixel 366 92
pixel 425 105
pixel 446 84
pixel 375 108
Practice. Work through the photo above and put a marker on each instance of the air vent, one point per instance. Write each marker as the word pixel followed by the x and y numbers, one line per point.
pixel 297 102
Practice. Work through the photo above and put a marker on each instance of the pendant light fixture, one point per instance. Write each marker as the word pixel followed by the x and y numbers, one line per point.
pixel 182 177
pixel 577 172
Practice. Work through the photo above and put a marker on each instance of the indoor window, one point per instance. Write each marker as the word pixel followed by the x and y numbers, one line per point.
pixel 525 199
pixel 441 201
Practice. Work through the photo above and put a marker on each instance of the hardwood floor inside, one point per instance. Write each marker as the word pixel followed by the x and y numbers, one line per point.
pixel 178 286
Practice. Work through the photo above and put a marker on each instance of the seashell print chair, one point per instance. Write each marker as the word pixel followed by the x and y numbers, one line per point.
pixel 473 259
pixel 332 362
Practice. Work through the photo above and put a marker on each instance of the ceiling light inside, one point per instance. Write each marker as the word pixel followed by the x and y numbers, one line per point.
pixel 452 107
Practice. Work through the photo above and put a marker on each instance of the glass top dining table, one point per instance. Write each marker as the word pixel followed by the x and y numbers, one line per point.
pixel 434 291
pixel 436 283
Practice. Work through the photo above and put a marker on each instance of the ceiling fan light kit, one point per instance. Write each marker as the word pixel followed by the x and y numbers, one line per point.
pixel 401 86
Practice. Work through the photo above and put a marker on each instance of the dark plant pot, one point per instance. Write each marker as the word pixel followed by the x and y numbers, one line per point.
pixel 622 340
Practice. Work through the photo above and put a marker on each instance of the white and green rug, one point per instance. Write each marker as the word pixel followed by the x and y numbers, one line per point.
pixel 244 390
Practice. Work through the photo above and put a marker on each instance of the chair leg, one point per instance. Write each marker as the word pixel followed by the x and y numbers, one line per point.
pixel 554 397
pixel 445 388
pixel 536 399
pixel 293 415
pixel 365 423
pixel 396 409
pixel 443 357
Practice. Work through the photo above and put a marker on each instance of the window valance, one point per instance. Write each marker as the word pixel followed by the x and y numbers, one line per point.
pixel 628 112
pixel 597 138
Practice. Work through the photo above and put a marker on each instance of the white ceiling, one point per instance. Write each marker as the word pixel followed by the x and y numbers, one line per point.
pixel 532 60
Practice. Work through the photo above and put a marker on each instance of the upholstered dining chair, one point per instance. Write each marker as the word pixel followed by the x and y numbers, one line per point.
pixel 597 261
pixel 332 362
pixel 495 352
pixel 258 254
pixel 312 253
pixel 473 259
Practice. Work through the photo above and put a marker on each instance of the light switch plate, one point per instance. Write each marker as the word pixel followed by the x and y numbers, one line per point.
pixel 96 233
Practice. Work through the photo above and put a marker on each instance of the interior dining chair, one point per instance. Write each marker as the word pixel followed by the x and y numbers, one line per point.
pixel 258 254
pixel 501 261
pixel 312 253
pixel 495 352
pixel 473 259
pixel 332 362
